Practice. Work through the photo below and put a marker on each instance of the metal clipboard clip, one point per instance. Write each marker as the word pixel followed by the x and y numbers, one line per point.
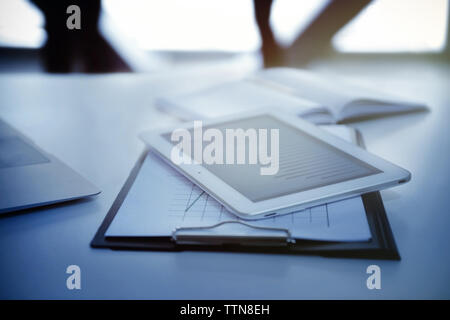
pixel 283 238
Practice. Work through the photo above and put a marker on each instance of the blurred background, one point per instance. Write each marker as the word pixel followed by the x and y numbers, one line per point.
pixel 154 35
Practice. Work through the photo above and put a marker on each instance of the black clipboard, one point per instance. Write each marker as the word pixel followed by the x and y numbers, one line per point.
pixel 381 246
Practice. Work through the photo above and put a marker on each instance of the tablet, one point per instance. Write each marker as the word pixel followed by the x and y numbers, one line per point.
pixel 263 164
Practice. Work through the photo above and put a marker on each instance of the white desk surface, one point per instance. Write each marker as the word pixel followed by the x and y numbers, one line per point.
pixel 92 122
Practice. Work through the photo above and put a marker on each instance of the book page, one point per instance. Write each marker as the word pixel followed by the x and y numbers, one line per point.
pixel 317 98
pixel 342 98
pixel 237 97
pixel 306 85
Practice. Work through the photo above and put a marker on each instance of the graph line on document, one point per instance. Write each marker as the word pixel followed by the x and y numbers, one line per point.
pixel 193 202
pixel 204 207
pixel 197 203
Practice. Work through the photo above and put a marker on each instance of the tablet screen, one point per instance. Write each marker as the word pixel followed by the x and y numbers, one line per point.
pixel 304 162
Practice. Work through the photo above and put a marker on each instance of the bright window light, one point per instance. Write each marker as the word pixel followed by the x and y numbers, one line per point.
pixel 396 26
pixel 229 25
pixel 186 25
pixel 206 24
pixel 289 17
pixel 21 24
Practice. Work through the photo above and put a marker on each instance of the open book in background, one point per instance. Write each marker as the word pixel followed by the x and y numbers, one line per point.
pixel 316 98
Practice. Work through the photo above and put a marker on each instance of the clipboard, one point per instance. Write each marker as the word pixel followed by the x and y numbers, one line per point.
pixel 381 246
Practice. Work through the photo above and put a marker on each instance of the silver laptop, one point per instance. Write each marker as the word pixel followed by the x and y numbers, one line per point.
pixel 31 177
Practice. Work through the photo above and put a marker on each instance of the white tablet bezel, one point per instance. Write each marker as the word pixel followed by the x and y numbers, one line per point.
pixel 240 205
